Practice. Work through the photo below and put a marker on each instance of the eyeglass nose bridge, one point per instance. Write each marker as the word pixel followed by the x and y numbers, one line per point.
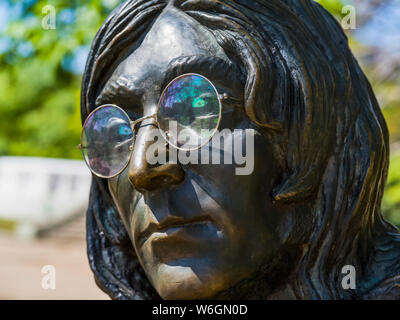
pixel 135 122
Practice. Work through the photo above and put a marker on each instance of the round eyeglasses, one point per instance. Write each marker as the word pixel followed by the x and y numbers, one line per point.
pixel 188 116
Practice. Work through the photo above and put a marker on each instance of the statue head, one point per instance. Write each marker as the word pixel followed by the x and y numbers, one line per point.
pixel 312 202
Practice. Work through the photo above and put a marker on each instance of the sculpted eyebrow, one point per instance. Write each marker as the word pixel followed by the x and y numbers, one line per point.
pixel 212 67
pixel 119 90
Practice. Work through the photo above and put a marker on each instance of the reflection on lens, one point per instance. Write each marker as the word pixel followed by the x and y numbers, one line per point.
pixel 189 112
pixel 106 140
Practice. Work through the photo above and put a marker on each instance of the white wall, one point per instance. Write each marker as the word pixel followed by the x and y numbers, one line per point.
pixel 39 192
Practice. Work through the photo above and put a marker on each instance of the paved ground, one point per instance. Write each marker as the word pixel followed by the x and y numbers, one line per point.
pixel 21 263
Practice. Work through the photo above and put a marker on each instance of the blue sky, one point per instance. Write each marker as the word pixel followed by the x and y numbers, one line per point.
pixel 383 29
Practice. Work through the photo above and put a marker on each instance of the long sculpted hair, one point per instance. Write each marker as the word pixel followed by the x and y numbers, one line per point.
pixel 307 92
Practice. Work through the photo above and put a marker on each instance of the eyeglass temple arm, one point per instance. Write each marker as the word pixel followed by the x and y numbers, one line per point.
pixel 225 96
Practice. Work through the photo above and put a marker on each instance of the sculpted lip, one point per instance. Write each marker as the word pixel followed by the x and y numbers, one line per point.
pixel 171 222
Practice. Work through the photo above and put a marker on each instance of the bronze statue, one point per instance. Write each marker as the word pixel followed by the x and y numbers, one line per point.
pixel 312 204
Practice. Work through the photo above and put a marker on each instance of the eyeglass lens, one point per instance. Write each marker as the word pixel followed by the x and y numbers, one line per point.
pixel 189 111
pixel 106 140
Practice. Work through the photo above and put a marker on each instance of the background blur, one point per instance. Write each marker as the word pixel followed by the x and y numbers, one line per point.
pixel 44 184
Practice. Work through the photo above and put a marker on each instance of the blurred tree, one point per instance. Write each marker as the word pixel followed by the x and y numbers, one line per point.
pixel 391 200
pixel 40 75
pixel 333 6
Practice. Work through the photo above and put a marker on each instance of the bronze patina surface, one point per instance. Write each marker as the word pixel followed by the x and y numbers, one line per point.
pixel 312 204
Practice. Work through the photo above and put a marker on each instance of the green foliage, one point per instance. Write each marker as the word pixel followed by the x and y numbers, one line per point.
pixel 392 116
pixel 391 200
pixel 39 93
pixel 8 225
pixel 333 6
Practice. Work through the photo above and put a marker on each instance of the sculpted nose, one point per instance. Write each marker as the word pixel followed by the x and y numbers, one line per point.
pixel 145 176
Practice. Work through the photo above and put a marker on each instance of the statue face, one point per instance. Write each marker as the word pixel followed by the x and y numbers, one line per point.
pixel 197 229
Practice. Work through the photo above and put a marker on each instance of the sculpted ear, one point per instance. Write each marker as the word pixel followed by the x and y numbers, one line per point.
pixel 309 147
pixel 298 187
